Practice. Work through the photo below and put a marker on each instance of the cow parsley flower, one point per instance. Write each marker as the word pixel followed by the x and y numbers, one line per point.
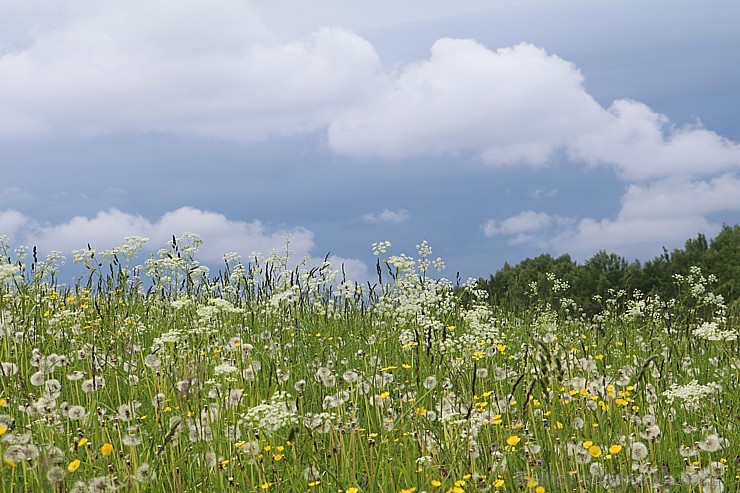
pixel 692 394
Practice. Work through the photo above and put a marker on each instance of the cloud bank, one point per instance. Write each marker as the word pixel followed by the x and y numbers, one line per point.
pixel 107 229
pixel 666 211
pixel 219 71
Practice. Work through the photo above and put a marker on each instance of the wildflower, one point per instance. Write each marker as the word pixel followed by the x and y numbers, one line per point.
pixel 596 470
pixel 74 465
pixel 583 456
pixel 106 449
pixel 8 369
pixel 639 451
pixel 93 384
pixel 76 413
pixel 615 449
pixel 430 382
pixel 692 395
pixel 711 443
pixel 125 413
pixel 55 475
pixel 76 375
pixel 38 378
pixel 513 440
pixel 144 473
pixel 436 483
pixel 594 450
pixel 152 361
pixel 131 440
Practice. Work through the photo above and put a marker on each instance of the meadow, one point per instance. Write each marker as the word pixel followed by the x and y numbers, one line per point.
pixel 277 374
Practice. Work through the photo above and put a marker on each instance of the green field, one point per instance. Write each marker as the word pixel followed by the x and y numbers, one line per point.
pixel 265 376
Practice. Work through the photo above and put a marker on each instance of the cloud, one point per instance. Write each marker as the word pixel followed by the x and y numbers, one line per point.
pixel 108 229
pixel 354 269
pixel 643 145
pixel 218 70
pixel 524 228
pixel 524 222
pixel 666 212
pixel 387 216
pixel 541 193
pixel 179 67
pixel 11 222
pixel 220 235
pixel 520 105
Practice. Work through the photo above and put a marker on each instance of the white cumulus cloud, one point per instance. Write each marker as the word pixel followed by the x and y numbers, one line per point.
pixel 220 235
pixel 185 66
pixel 217 69
pixel 665 212
pixel 387 216
pixel 519 105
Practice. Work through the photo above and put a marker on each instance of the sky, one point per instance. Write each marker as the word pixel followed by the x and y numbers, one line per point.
pixel 495 130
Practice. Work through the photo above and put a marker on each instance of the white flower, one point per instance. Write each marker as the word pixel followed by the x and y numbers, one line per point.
pixel 692 394
pixel 639 451
pixel 711 443
pixel 8 272
pixel 224 369
pixel 710 331
pixel 152 361
pixel 76 413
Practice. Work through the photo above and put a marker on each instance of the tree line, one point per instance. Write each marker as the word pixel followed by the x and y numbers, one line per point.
pixel 514 285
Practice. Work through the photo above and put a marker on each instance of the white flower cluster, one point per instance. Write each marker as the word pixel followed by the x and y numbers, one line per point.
pixel 8 272
pixel 272 416
pixel 710 331
pixel 692 394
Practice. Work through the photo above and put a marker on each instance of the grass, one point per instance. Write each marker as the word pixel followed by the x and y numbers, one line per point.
pixel 265 377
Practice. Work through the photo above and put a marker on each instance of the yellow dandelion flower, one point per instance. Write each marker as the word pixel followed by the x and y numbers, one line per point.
pixel 513 440
pixel 594 450
pixel 277 457
pixel 540 489
pixel 436 483
pixel 106 449
pixel 587 443
pixel 498 483
pixel 3 429
pixel 82 442
pixel 74 465
pixel 615 449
